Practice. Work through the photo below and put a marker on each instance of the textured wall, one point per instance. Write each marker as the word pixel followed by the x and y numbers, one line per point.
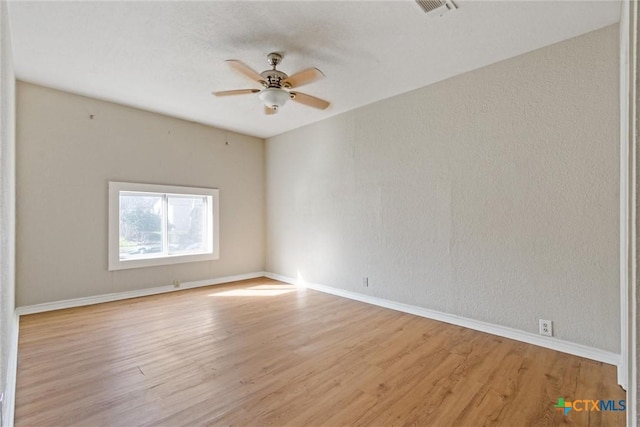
pixel 7 196
pixel 64 162
pixel 492 195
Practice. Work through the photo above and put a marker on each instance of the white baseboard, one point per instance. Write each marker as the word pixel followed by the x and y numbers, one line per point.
pixel 97 299
pixel 502 331
pixel 9 402
pixel 622 376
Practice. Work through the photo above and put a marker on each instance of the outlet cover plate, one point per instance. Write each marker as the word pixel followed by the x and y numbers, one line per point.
pixel 546 327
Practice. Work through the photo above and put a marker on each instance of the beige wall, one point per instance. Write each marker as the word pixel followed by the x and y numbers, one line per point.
pixel 7 203
pixel 65 160
pixel 492 195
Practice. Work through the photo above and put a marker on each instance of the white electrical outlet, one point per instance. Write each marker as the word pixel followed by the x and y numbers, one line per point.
pixel 365 282
pixel 546 327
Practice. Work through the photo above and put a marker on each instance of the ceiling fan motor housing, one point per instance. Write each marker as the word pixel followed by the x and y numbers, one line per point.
pixel 274 78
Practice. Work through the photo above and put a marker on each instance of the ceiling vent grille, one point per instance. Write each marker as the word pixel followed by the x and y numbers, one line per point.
pixel 436 7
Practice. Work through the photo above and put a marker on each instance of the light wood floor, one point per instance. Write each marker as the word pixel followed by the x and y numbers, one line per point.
pixel 260 352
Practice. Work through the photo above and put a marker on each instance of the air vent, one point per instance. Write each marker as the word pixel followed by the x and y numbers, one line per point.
pixel 436 7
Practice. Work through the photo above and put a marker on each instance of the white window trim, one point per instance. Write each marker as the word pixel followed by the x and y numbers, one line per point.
pixel 115 263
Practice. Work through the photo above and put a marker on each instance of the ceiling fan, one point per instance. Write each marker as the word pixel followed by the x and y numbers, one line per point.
pixel 276 85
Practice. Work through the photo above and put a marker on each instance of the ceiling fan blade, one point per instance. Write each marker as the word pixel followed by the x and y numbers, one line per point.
pixel 236 92
pixel 243 68
pixel 309 100
pixel 304 77
pixel 269 111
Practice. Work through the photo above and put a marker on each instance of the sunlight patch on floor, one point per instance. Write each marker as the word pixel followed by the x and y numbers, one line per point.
pixel 256 291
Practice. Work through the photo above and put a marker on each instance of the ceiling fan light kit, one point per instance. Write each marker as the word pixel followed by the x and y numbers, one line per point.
pixel 273 97
pixel 276 84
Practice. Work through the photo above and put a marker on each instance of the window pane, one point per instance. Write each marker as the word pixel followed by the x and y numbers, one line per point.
pixel 187 224
pixel 140 226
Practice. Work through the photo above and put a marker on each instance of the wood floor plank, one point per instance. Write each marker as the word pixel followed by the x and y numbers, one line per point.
pixel 261 352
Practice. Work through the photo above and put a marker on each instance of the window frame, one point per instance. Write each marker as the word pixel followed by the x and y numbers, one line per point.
pixel 116 187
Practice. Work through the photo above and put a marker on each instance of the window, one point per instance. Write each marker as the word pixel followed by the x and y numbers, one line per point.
pixel 159 224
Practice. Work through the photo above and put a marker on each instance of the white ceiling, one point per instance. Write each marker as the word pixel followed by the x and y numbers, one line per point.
pixel 168 56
